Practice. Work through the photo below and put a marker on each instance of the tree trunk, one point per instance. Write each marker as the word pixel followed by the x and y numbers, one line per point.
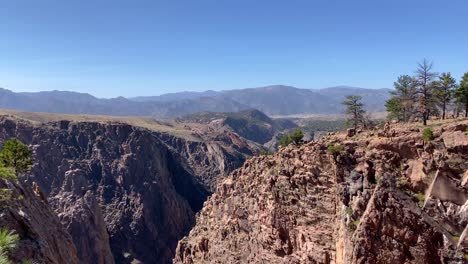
pixel 466 108
pixel 424 119
pixel 443 111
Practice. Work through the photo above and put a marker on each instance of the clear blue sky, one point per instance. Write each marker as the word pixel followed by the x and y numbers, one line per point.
pixel 136 47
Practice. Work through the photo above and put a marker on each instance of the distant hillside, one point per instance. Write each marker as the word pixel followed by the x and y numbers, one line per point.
pixel 250 124
pixel 272 100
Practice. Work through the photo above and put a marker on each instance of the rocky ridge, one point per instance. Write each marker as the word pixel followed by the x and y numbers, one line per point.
pixel 380 196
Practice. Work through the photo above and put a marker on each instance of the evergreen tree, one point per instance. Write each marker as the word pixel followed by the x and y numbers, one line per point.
pixel 462 93
pixel 394 109
pixel 444 90
pixel 401 106
pixel 16 155
pixel 354 108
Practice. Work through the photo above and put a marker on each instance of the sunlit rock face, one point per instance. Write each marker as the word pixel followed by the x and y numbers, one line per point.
pixel 124 194
pixel 374 197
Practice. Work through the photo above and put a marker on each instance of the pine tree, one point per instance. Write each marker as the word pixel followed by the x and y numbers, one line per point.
pixel 354 108
pixel 401 106
pixel 444 90
pixel 462 93
pixel 16 155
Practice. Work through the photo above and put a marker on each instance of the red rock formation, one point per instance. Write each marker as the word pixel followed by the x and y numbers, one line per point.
pixel 363 202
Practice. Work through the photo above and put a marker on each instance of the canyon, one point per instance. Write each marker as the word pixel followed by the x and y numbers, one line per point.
pixel 195 190
pixel 123 193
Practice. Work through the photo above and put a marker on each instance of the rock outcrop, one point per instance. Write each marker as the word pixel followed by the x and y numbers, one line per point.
pixel 376 197
pixel 42 237
pixel 125 194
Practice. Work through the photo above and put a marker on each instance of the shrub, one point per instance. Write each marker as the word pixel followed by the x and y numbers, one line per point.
pixel 349 211
pixel 297 136
pixel 402 182
pixel 334 149
pixel 353 225
pixel 284 141
pixel 427 134
pixel 266 152
pixel 421 197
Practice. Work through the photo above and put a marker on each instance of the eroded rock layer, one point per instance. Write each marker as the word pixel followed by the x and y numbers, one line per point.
pixel 124 194
pixel 381 196
pixel 42 237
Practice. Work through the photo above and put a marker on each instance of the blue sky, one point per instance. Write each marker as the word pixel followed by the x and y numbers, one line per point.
pixel 115 47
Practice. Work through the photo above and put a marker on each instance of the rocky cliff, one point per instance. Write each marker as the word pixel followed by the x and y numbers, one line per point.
pixel 124 193
pixel 380 196
pixel 42 237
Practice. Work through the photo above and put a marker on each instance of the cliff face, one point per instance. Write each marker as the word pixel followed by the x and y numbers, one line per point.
pixel 382 196
pixel 124 194
pixel 43 238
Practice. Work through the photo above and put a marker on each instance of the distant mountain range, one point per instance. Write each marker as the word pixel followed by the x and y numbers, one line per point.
pixel 272 100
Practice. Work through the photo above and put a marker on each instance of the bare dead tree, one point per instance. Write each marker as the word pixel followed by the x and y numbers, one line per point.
pixel 424 77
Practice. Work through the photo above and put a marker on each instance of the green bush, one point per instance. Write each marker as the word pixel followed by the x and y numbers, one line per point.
pixel 285 141
pixel 421 198
pixel 266 152
pixel 8 241
pixel 334 149
pixel 297 136
pixel 402 182
pixel 427 134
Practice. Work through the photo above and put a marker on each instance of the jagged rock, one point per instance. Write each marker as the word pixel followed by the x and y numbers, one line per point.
pixel 455 140
pixel 124 193
pixel 445 189
pixel 43 238
pixel 362 204
pixel 350 132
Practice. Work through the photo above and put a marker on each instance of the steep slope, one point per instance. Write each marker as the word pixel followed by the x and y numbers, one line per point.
pixel 342 200
pixel 124 193
pixel 43 238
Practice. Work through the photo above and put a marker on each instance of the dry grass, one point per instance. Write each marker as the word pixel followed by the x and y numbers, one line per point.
pixel 169 126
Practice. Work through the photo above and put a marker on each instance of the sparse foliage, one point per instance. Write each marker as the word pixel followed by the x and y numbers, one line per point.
pixel 354 108
pixel 334 149
pixel 424 80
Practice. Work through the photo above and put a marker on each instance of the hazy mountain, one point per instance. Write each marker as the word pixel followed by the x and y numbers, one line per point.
pixel 272 100
pixel 174 96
